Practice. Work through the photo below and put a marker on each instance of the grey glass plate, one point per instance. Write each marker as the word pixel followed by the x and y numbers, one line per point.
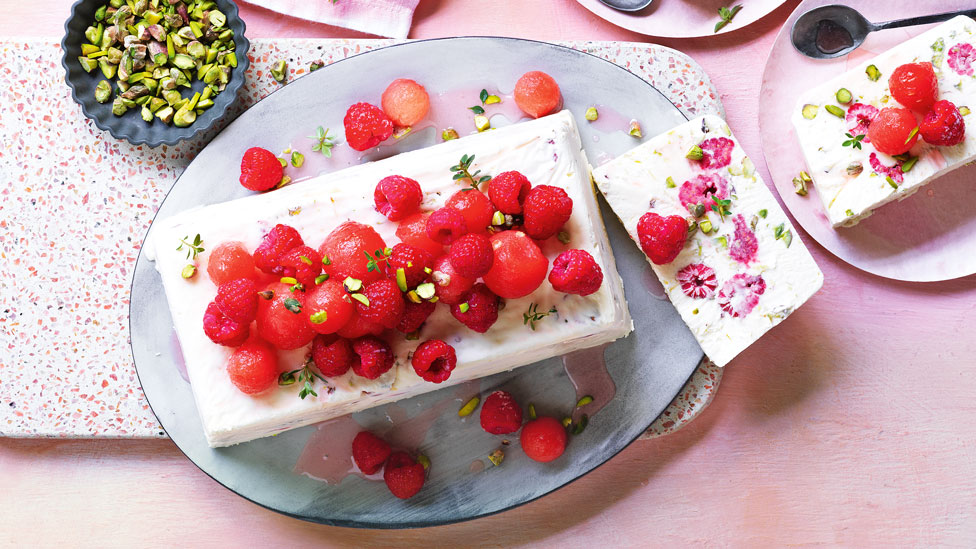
pixel 649 367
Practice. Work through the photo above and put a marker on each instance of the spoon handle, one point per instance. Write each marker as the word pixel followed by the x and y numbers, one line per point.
pixel 923 20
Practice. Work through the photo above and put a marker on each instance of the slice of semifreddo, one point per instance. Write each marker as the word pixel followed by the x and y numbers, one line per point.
pixel 548 151
pixel 743 269
pixel 832 121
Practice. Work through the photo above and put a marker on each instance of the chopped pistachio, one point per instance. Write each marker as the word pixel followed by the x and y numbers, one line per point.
pixel 799 186
pixel 670 182
pixel 361 298
pixel 165 114
pixel 217 19
pixel 835 110
pixel 297 159
pixel 279 70
pixel 183 61
pixel 103 91
pixel 496 457
pixel 849 213
pixel 532 411
pixel 464 307
pixel 189 271
pixel 108 69
pixel 563 237
pixel 315 65
pixel 449 134
pixel 321 278
pixel 584 401
pixel 844 96
pixel 909 164
pixel 695 153
pixel 184 117
pixel 705 226
pixel 567 421
pixel 810 111
pixel 118 107
pixel 583 422
pixel 788 238
pixel 763 213
pixel 498 218
pixel 891 182
pixel 205 104
pixel 88 49
pixel 424 461
pixel 401 279
pixel 592 114
pixel 964 110
pixel 635 129
pixel 413 297
pixel 492 99
pixel 854 169
pixel 352 284
pixel 482 123
pixel 147 115
pixel 873 73
pixel 230 59
pixel 469 407
pixel 319 317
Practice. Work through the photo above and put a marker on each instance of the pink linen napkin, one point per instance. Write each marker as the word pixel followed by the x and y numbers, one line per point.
pixel 389 18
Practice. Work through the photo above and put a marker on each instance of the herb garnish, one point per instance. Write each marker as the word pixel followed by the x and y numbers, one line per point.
pixel 305 376
pixel 721 207
pixel 533 315
pixel 324 142
pixel 486 99
pixel 462 171
pixel 854 141
pixel 726 14
pixel 193 248
pixel 379 257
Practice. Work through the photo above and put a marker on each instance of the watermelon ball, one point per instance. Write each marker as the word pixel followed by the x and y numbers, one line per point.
pixel 537 94
pixel 405 102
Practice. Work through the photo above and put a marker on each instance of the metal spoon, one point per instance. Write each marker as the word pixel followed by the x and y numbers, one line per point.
pixel 832 31
pixel 628 5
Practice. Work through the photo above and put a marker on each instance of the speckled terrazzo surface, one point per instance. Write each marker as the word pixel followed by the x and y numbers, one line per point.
pixel 75 204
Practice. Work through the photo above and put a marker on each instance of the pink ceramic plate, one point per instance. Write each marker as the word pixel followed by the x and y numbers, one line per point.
pixel 682 18
pixel 919 239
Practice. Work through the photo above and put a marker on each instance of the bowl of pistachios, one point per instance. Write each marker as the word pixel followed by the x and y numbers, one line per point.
pixel 155 72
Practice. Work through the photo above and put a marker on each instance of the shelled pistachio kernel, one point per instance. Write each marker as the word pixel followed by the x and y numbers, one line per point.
pixel 835 110
pixel 591 114
pixel 103 91
pixel 188 272
pixel 909 164
pixel 705 226
pixel 799 186
pixel 423 461
pixel 854 169
pixel 873 73
pixel 279 70
pixel 844 96
pixel 316 65
pixel 469 407
pixel 695 153
pixel 481 122
pixel 297 159
pixel 635 129
pixel 670 182
pixel 964 110
pixel 496 457
pixel 810 111
pixel 449 134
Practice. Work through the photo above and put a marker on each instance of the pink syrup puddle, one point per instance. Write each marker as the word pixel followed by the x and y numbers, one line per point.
pixel 653 285
pixel 476 466
pixel 587 370
pixel 178 353
pixel 610 120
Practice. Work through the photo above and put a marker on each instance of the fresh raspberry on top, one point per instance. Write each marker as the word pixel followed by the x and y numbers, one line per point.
pixel 413 231
pixel 414 315
pixel 238 299
pixel 500 414
pixel 546 210
pixel 478 309
pixel 344 252
pixel 543 439
pixel 716 153
pixel 260 169
pixel 914 85
pixel 370 452
pixel 281 319
pixel 403 475
pixel 253 367
pixel 221 329
pixel 357 326
pixel 697 280
pixel 373 357
pixel 943 125
pixel 894 131
pixel 328 307
pixel 537 94
pixel 303 263
pixel 446 225
pixel 575 272
pixel 508 191
pixel 472 255
pixel 279 240
pixel 229 261
pixel 476 208
pixel 449 284
pixel 405 102
pixel 385 303
pixel 332 355
pixel 859 117
pixel 366 126
pixel 662 238
pixel 519 267
pixel 434 360
pixel 397 197
pixel 740 294
pixel 413 261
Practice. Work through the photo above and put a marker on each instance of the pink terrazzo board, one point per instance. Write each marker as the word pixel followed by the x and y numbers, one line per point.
pixel 920 239
pixel 75 204
pixel 682 18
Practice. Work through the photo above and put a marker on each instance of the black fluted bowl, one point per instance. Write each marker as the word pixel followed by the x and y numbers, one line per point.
pixel 131 126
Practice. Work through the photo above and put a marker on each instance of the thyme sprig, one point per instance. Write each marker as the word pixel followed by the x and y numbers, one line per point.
pixel 853 141
pixel 324 142
pixel 304 375
pixel 533 315
pixel 721 207
pixel 193 248
pixel 377 257
pixel 726 14
pixel 463 171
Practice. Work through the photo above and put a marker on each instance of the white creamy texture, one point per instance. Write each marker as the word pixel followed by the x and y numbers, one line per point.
pixel 848 199
pixel 548 151
pixel 636 183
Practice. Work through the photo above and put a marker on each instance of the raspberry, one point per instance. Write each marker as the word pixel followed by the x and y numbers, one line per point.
pixel 253 367
pixel 413 231
pixel 373 357
pixel 449 284
pixel 397 197
pixel 943 125
pixel 358 327
pixel 279 240
pixel 260 169
pixel 405 102
pixel 508 191
pixel 546 210
pixel 238 300
pixel 519 267
pixel 434 360
pixel 914 85
pixel 662 238
pixel 413 261
pixel 280 319
pixel 229 261
pixel 704 190
pixel 543 439
pixel 446 225
pixel 892 131
pixel 366 126
pixel 697 280
pixel 480 308
pixel 716 153
pixel 537 94
pixel 328 307
pixel 476 208
pixel 345 249
pixel 500 414
pixel 894 172
pixel 403 475
pixel 744 244
pixel 575 272
pixel 414 315
pixel 472 255
pixel 385 303
pixel 303 264
pixel 332 354
pixel 859 117
pixel 370 452
pixel 221 329
pixel 961 58
pixel 740 294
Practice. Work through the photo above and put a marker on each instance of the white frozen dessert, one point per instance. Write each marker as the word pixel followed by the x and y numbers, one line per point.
pixel 852 182
pixel 547 151
pixel 743 270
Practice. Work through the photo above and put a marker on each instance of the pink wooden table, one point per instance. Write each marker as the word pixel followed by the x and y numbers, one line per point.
pixel 850 424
